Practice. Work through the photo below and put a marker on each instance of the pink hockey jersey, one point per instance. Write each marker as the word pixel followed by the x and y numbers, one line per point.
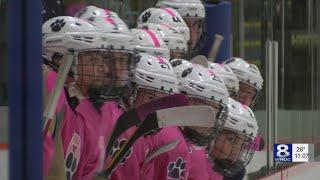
pixel 79 136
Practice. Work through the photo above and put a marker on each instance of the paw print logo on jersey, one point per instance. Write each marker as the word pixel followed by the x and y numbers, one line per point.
pixel 116 148
pixel 57 25
pixel 176 169
pixel 72 156
pixel 146 16
pixel 71 164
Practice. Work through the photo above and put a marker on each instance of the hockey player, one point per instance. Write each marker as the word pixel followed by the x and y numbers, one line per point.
pixel 250 80
pixel 250 86
pixel 92 69
pixel 193 13
pixel 202 86
pixel 154 78
pixel 232 150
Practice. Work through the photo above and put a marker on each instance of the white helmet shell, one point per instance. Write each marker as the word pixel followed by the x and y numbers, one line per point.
pixel 186 8
pixel 148 41
pixel 90 11
pixel 119 34
pixel 241 119
pixel 248 73
pixel 167 16
pixel 179 65
pixel 227 75
pixel 155 72
pixel 64 33
pixel 199 81
pixel 173 39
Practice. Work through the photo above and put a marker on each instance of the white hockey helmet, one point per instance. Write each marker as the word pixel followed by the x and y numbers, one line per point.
pixel 167 16
pixel 241 118
pixel 174 40
pixel 155 72
pixel 64 33
pixel 227 75
pixel 193 13
pixel 148 41
pixel 201 82
pixel 179 65
pixel 248 73
pixel 233 149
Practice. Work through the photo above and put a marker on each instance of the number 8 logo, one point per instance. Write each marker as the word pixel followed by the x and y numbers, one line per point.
pixel 283 151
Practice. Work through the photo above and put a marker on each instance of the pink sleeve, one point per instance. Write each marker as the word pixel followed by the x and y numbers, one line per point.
pixel 48 150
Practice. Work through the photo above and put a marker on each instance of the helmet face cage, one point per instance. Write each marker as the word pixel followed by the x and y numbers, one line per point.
pixel 231 151
pixel 145 94
pixel 112 71
pixel 233 93
pixel 177 54
pixel 248 94
pixel 202 136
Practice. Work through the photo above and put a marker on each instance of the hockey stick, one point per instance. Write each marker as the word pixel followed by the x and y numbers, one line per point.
pixel 134 116
pixel 201 116
pixel 163 149
pixel 215 47
pixel 50 109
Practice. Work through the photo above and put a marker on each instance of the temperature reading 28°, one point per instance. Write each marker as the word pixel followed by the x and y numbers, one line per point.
pixel 301 149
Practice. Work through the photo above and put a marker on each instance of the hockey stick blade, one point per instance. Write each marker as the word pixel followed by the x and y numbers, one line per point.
pixel 201 116
pixel 163 149
pixel 135 116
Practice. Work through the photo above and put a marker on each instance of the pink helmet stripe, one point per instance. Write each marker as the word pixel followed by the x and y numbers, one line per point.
pixel 107 11
pixel 154 38
pixel 169 12
pixel 160 59
pixel 244 106
pixel 110 20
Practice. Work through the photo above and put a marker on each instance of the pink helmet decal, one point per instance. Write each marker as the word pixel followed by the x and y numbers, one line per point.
pixel 169 12
pixel 245 107
pixel 160 59
pixel 154 38
pixel 212 73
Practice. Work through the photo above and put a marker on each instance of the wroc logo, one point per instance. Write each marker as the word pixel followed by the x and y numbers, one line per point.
pixel 282 152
